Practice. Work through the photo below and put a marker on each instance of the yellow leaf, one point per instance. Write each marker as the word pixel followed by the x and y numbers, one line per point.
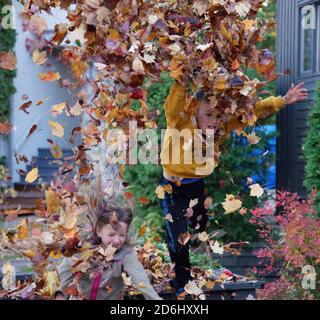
pixel 231 204
pixel 32 175
pixel 49 76
pixel 52 283
pixel 137 65
pixel 52 201
pixel 160 192
pixel 23 229
pixel 256 190
pixel 39 57
pixel 57 129
pixel 57 109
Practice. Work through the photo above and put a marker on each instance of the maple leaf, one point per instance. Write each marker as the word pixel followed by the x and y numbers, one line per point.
pixel 215 247
pixel 39 57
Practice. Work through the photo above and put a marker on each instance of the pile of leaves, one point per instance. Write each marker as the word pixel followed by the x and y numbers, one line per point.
pixel 292 246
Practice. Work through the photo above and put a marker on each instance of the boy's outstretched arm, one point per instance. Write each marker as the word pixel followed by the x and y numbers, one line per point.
pixel 174 104
pixel 271 105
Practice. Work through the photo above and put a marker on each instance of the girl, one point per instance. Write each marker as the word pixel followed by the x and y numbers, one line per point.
pixel 111 233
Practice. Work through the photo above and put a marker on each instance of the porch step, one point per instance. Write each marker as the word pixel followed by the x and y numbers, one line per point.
pixel 45 152
pixel 48 166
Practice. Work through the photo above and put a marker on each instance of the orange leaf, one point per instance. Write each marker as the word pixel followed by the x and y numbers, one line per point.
pixel 49 76
pixel 5 127
pixel 8 60
pixel 235 64
pixel 142 230
pixel 144 200
pixel 23 229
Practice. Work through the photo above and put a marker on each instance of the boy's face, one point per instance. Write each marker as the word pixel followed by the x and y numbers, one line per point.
pixel 114 237
pixel 205 117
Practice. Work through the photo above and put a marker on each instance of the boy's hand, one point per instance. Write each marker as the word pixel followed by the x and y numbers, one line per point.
pixel 295 94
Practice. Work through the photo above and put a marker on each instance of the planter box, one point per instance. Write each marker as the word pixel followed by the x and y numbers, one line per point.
pixel 241 290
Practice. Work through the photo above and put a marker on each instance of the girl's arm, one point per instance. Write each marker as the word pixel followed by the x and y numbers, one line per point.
pixel 139 278
pixel 65 275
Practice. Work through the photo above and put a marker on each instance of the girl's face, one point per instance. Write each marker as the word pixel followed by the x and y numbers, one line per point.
pixel 111 236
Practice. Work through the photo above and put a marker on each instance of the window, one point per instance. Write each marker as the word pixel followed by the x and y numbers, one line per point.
pixel 308 44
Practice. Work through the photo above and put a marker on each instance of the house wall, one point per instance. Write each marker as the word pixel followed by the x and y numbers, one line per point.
pixel 292 121
pixel 27 82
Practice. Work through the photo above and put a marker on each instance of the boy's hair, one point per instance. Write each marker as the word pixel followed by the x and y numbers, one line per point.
pixel 201 96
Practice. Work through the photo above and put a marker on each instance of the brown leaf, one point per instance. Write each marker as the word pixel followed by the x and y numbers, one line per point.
pixel 8 60
pixel 33 129
pixel 5 127
pixel 24 106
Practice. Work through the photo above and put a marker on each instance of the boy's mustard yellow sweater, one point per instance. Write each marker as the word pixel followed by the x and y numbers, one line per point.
pixel 177 119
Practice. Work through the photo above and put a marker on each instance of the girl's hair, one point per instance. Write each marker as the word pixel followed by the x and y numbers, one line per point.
pixel 113 211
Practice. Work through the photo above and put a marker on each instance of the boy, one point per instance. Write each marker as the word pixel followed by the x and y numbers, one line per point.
pixel 187 178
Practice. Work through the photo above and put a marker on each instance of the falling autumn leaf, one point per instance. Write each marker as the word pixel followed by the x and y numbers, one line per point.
pixel 23 229
pixel 231 204
pixel 256 190
pixel 52 201
pixel 57 109
pixel 32 175
pixel 8 60
pixel 39 57
pixel 216 248
pixel 57 129
pixel 160 192
pixel 25 106
pixel 142 230
pixel 203 236
pixel 32 130
pixel 49 76
pixel 5 127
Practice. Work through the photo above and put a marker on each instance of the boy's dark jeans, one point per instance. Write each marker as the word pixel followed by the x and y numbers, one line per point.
pixel 176 204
